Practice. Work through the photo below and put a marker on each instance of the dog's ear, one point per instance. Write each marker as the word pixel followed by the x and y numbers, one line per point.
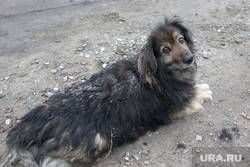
pixel 147 64
pixel 177 23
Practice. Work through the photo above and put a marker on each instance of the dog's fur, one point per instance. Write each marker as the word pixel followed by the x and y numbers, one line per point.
pixel 114 106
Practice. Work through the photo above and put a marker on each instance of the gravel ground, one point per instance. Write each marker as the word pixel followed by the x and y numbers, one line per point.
pixel 47 47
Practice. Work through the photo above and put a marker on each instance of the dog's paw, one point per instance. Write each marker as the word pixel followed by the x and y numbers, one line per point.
pixel 203 93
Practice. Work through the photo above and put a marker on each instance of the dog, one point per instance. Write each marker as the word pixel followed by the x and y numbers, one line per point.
pixel 115 106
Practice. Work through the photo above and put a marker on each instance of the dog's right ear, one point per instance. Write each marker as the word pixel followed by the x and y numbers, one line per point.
pixel 147 64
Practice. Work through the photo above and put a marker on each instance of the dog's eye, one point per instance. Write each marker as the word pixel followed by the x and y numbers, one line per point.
pixel 166 50
pixel 181 40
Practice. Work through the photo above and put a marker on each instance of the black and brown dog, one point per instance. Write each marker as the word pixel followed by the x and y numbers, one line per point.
pixel 114 106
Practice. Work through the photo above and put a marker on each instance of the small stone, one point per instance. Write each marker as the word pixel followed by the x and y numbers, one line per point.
pixel 104 65
pixel 248 54
pixel 1 94
pixel 80 49
pixel 198 137
pixel 198 151
pixel 65 79
pixel 127 163
pixel 248 145
pixel 248 117
pixel 53 71
pixel 243 114
pixel 145 152
pixel 31 106
pixel 63 73
pixel 87 55
pixel 102 49
pixel 83 78
pixel 136 157
pixel 127 154
pixel 84 63
pixel 49 94
pixel 237 41
pixel 184 151
pixel 223 44
pixel 126 158
pixel 62 66
pixel 46 89
pixel 8 122
pixel 47 63
pixel 56 90
pixel 211 123
pixel 34 62
pixel 82 18
pixel 146 163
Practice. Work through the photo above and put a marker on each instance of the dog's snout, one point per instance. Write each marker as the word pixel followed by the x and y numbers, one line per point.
pixel 188 59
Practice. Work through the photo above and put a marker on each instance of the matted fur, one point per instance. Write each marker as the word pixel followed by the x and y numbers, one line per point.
pixel 114 106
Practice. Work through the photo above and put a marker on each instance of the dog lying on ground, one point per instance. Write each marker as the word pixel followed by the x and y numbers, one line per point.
pixel 114 106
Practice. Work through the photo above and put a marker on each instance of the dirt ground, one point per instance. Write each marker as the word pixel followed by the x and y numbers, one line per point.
pixel 46 47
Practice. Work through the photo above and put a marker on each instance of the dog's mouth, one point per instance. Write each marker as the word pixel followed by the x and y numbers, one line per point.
pixel 181 66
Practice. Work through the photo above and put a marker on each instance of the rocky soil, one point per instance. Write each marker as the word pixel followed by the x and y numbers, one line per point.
pixel 47 47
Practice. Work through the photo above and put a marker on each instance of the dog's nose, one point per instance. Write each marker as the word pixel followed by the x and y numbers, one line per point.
pixel 188 59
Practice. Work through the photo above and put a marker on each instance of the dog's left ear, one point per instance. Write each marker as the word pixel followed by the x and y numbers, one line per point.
pixel 147 64
pixel 177 23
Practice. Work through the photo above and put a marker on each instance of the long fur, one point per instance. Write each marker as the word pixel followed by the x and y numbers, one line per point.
pixel 114 106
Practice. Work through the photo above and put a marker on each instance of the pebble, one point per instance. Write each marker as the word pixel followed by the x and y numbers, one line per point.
pixel 146 163
pixel 63 73
pixel 84 63
pixel 248 54
pixel 56 90
pixel 47 63
pixel 145 152
pixel 223 44
pixel 1 94
pixel 62 66
pixel 46 89
pixel 104 65
pixel 104 60
pixel 87 55
pixel 34 62
pixel 237 41
pixel 211 123
pixel 136 157
pixel 31 106
pixel 127 163
pixel 8 122
pixel 49 94
pixel 53 71
pixel 198 137
pixel 126 158
pixel 83 78
pixel 127 154
pixel 65 79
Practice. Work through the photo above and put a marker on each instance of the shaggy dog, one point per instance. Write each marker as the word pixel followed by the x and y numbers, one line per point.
pixel 114 106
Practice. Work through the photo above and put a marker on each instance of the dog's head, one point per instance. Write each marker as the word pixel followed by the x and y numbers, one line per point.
pixel 169 49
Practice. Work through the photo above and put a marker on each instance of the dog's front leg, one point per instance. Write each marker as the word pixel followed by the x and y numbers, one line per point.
pixel 202 94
